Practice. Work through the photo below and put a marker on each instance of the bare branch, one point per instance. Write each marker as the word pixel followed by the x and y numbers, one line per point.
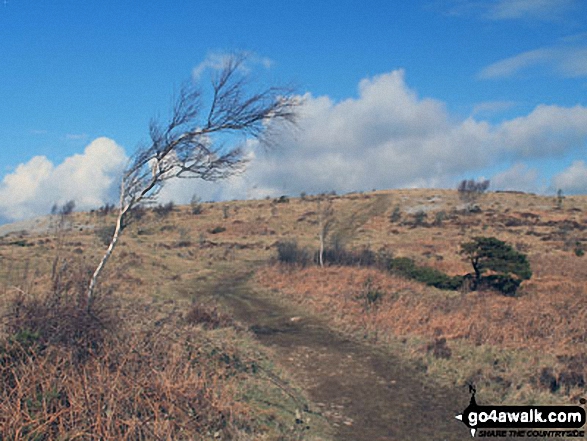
pixel 193 143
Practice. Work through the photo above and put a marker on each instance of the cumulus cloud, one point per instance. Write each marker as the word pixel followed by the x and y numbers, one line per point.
pixel 90 178
pixel 489 108
pixel 389 137
pixel 518 177
pixel 549 131
pixel 573 179
pixel 385 137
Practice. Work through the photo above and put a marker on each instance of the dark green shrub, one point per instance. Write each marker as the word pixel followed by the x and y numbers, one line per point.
pixel 396 214
pixel 439 217
pixel 406 267
pixel 164 210
pixel 282 200
pixel 507 266
pixel 217 230
pixel 338 255
pixel 21 243
pixel 196 205
pixel 420 218
pixel 504 284
pixel 289 252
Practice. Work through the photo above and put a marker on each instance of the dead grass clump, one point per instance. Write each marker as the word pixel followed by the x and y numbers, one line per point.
pixel 152 379
pixel 570 375
pixel 60 316
pixel 163 210
pixel 209 317
pixel 440 349
pixel 144 387
pixel 60 321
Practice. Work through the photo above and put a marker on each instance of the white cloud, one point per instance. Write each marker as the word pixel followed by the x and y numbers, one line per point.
pixel 573 179
pixel 385 137
pixel 492 107
pixel 549 131
pixel 76 137
pixel 568 62
pixel 518 177
pixel 388 137
pixel 512 65
pixel 574 63
pixel 217 61
pixel 541 9
pixel 90 179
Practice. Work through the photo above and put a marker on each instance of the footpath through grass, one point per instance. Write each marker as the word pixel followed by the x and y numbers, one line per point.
pixel 364 392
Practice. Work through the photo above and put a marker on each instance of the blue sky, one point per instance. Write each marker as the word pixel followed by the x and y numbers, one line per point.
pixel 398 94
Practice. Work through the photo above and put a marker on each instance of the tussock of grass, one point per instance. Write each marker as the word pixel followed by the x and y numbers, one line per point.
pixel 210 317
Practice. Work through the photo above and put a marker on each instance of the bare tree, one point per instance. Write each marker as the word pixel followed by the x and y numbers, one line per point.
pixel 63 212
pixel 325 222
pixel 193 143
pixel 470 191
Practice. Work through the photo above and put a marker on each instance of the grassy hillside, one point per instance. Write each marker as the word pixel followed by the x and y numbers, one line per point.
pixel 528 348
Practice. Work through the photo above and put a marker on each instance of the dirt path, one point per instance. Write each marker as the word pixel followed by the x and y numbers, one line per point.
pixel 365 394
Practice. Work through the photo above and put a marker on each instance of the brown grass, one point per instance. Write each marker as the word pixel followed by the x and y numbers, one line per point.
pixel 154 383
pixel 134 369
pixel 411 308
pixel 158 377
pixel 150 267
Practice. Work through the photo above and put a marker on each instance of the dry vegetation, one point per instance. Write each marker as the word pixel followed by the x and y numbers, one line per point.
pixel 518 350
pixel 148 362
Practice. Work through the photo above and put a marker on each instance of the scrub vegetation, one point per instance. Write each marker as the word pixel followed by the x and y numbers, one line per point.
pixel 162 355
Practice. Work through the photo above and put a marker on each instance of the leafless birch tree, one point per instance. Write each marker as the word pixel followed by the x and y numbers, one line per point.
pixel 325 222
pixel 196 141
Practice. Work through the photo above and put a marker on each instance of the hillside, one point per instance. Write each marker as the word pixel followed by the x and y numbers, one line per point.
pixel 169 266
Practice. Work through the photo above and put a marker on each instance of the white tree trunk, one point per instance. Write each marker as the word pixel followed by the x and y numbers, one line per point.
pixel 321 247
pixel 96 275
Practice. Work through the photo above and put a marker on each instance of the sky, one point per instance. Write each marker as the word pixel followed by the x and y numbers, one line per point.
pixel 397 94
